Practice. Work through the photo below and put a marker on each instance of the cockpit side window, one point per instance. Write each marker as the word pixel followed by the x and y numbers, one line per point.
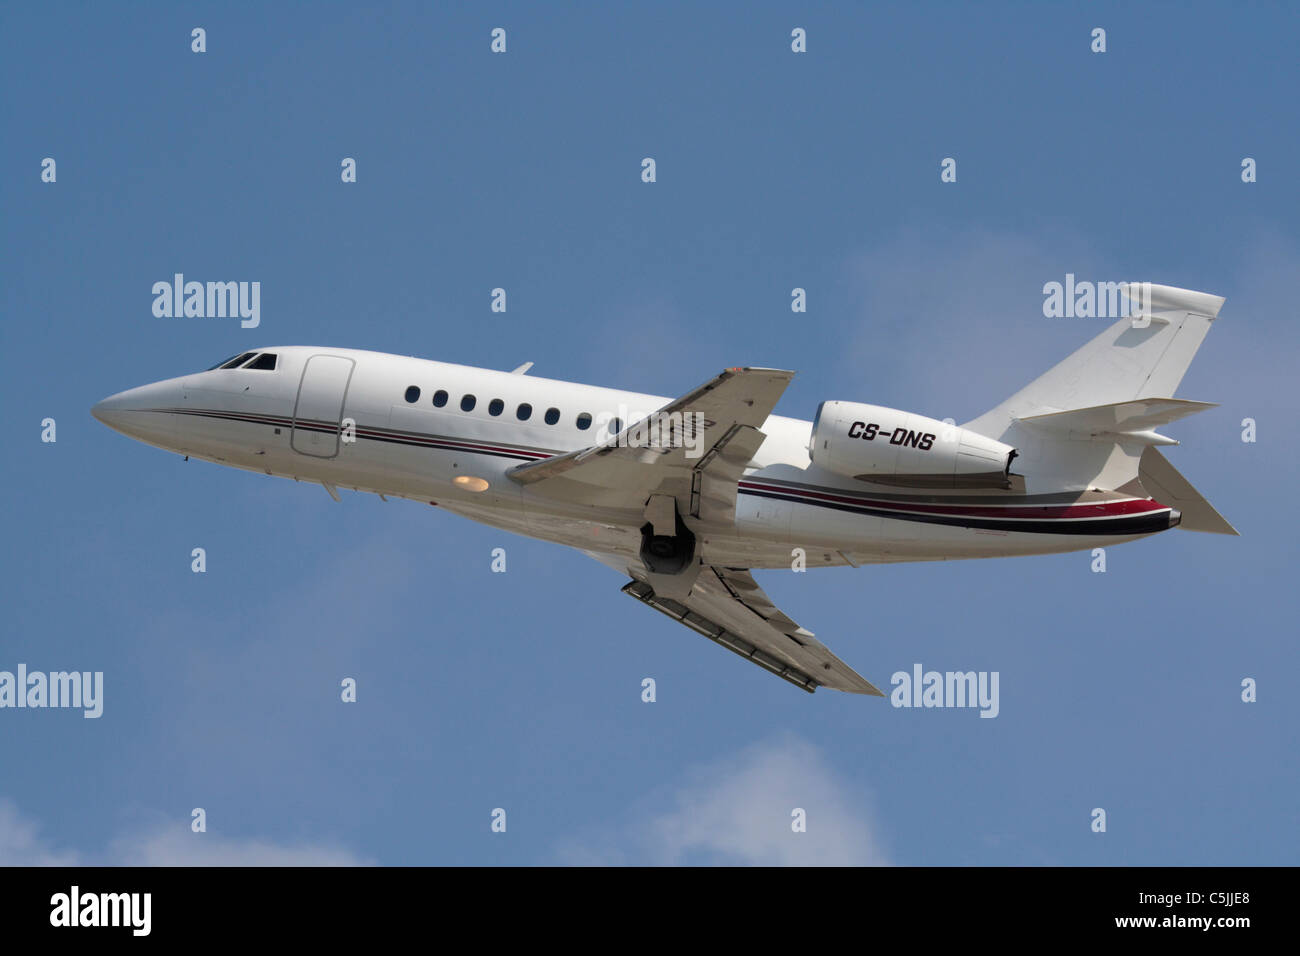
pixel 226 361
pixel 264 362
pixel 235 362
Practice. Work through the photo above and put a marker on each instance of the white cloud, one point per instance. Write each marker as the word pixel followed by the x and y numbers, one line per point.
pixel 738 812
pixel 177 846
pixel 167 843
pixel 21 843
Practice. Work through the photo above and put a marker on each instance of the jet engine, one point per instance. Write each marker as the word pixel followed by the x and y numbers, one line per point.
pixel 887 446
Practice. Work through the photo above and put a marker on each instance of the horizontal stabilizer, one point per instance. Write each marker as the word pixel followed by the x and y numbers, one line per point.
pixel 1163 483
pixel 1132 420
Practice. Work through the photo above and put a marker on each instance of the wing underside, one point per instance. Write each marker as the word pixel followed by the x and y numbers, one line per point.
pixel 728 607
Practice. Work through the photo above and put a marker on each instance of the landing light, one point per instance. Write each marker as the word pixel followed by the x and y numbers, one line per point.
pixel 470 483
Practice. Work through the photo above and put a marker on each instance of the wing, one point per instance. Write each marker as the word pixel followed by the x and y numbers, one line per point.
pixel 729 608
pixel 694 449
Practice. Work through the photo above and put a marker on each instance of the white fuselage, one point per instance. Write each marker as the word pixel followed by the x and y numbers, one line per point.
pixel 368 421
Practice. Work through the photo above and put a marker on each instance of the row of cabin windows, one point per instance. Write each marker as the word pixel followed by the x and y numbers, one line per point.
pixel 497 406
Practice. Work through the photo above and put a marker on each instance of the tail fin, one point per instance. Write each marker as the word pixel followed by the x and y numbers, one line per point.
pixel 1143 357
pixel 1089 422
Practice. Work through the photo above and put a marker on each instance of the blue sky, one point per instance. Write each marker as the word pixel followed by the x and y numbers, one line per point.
pixel 522 690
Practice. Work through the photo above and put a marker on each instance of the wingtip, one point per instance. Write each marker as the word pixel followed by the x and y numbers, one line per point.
pixel 866 688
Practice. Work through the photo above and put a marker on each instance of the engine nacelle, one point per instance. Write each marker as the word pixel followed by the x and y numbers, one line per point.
pixel 891 447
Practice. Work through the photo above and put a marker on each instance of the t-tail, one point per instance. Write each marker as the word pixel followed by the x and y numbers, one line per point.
pixel 1090 423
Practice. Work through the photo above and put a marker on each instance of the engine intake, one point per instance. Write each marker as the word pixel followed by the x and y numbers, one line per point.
pixel 892 447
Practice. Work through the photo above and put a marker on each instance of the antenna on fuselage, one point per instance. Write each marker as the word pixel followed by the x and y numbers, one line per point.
pixel 523 369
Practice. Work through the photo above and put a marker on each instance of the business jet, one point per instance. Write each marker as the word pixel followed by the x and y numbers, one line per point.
pixel 687 496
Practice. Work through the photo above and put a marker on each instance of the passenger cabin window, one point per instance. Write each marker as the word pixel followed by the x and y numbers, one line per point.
pixel 524 412
pixel 467 403
pixel 413 394
pixel 552 416
pixel 440 398
pixel 496 406
pixel 584 422
pixel 615 426
pixel 264 362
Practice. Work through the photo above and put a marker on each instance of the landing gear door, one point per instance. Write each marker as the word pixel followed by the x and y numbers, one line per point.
pixel 318 412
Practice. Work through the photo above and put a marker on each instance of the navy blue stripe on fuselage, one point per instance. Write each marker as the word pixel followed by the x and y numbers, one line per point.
pixel 1127 524
pixel 413 439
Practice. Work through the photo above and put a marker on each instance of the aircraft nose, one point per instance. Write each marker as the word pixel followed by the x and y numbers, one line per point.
pixel 135 412
pixel 115 411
